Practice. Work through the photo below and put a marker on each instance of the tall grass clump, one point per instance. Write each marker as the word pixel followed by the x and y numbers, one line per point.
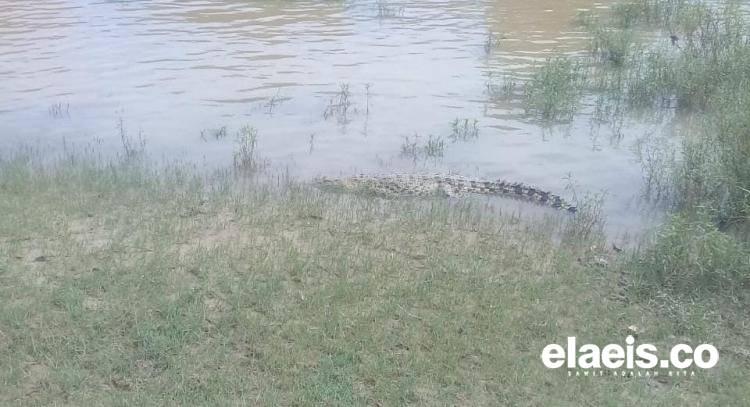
pixel 132 147
pixel 246 157
pixel 388 10
pixel 613 46
pixel 59 110
pixel 609 43
pixel 691 256
pixel 464 130
pixel 433 148
pixel 588 223
pixel 554 90
pixel 503 89
pixel 341 106
pixel 648 12
pixel 714 171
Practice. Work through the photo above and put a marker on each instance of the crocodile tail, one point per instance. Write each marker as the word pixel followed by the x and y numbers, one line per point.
pixel 530 192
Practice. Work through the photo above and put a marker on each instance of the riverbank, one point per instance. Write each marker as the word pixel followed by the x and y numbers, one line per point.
pixel 125 284
pixel 129 282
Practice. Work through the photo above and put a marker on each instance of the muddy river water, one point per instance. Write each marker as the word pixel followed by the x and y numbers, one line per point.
pixel 180 71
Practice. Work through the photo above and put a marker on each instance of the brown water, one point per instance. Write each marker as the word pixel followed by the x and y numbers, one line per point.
pixel 171 69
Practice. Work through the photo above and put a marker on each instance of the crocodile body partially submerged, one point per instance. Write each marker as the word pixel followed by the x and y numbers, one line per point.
pixel 442 185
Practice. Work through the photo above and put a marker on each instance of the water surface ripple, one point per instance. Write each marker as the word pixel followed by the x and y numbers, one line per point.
pixel 177 71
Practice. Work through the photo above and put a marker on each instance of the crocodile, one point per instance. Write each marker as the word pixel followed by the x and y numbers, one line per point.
pixel 417 185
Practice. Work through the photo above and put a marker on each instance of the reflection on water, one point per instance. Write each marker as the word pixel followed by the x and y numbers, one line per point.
pixel 178 71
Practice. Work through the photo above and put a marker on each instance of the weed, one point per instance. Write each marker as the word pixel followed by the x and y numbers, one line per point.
pixel 612 45
pixel 340 106
pixel 492 42
pixel 246 159
pixel 464 130
pixel 388 10
pixel 588 222
pixel 367 98
pixel 434 147
pixel 59 110
pixel 274 101
pixel 691 256
pixel 656 156
pixel 216 134
pixel 132 147
pixel 410 147
pixel 505 90
pixel 555 88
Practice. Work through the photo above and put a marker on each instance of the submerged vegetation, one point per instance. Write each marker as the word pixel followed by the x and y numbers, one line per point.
pixel 246 157
pixel 216 134
pixel 132 146
pixel 388 10
pixel 464 130
pixel 695 64
pixel 554 90
pixel 59 110
pixel 493 42
pixel 503 88
pixel 341 106
pixel 414 148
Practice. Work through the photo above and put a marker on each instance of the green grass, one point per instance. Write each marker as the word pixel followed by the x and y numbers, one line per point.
pixel 341 106
pixel 464 130
pixel 246 158
pixel 692 256
pixel 433 148
pixel 686 60
pixel 705 75
pixel 127 284
pixel 554 90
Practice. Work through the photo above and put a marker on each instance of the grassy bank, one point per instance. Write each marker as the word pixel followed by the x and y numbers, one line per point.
pixel 124 285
